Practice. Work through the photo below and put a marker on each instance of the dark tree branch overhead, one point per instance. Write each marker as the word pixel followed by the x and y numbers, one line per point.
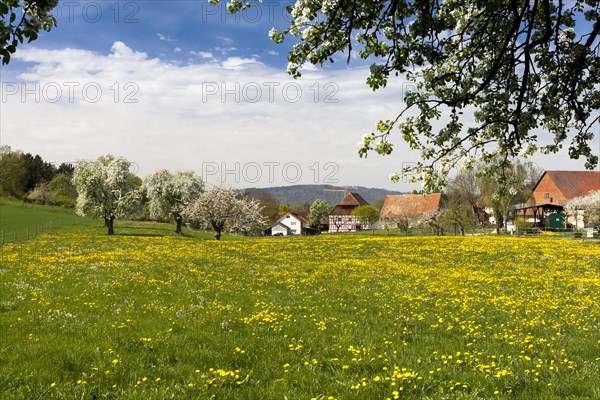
pixel 33 16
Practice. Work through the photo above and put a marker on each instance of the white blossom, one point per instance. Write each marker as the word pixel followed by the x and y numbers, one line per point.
pixel 106 189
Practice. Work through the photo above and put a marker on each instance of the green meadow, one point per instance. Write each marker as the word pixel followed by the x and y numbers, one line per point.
pixel 147 314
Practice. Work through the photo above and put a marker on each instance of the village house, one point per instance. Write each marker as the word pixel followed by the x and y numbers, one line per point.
pixel 341 218
pixel 290 223
pixel 552 192
pixel 404 208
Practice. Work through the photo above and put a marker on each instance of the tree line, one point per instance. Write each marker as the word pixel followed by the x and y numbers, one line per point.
pixel 29 177
pixel 107 188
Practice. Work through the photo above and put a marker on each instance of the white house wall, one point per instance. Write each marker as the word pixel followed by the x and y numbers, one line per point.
pixel 292 222
pixel 279 229
pixel 343 223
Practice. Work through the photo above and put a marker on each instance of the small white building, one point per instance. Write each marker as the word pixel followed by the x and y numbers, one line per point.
pixel 289 224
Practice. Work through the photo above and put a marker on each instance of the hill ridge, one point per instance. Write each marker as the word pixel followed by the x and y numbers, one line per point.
pixel 294 194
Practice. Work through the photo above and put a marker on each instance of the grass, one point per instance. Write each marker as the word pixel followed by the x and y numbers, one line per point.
pixel 147 314
pixel 21 221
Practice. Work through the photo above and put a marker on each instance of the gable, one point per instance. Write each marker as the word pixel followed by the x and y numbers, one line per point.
pixel 560 187
pixel 290 217
pixel 351 201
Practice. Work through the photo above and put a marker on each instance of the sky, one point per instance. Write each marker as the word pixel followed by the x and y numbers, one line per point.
pixel 184 85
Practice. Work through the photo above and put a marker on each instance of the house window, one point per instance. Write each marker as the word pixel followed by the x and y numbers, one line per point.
pixel 287 216
pixel 547 196
pixel 293 223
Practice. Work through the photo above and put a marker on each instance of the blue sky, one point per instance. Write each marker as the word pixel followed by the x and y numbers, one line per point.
pixel 184 85
pixel 168 29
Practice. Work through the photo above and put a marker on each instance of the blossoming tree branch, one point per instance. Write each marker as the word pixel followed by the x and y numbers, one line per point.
pixel 527 70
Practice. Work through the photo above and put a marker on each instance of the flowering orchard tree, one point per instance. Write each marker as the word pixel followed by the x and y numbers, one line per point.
pixel 106 189
pixel 169 194
pixel 587 207
pixel 221 209
pixel 319 213
pixel 250 218
pixel 506 185
pixel 518 66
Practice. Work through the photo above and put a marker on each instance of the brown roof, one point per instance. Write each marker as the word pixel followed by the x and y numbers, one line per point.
pixel 351 201
pixel 302 216
pixel 410 205
pixel 575 183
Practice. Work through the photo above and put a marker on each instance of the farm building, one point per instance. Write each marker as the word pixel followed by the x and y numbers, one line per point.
pixel 553 190
pixel 404 207
pixel 341 218
pixel 290 223
pixel 559 187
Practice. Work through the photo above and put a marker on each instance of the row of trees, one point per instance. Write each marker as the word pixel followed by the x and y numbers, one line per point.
pixel 29 177
pixel 108 189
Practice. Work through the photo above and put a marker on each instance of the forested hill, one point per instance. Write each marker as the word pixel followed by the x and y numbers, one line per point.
pixel 308 193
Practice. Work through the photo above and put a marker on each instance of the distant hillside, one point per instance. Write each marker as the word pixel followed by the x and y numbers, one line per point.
pixel 309 193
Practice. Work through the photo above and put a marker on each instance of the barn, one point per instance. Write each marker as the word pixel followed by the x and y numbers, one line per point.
pixel 341 218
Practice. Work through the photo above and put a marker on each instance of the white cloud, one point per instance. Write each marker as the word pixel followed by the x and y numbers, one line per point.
pixel 202 54
pixel 200 115
pixel 120 50
pixel 165 38
pixel 239 111
pixel 309 67
pixel 225 50
pixel 273 53
pixel 176 50
pixel 226 40
pixel 238 63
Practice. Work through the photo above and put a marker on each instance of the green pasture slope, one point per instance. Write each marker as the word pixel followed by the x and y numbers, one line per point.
pixel 20 221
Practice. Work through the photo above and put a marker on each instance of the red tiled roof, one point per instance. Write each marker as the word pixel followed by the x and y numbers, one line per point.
pixel 575 183
pixel 351 201
pixel 410 205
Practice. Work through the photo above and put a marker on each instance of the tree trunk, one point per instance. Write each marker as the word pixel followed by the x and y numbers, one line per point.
pixel 218 235
pixel 109 223
pixel 499 225
pixel 179 222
